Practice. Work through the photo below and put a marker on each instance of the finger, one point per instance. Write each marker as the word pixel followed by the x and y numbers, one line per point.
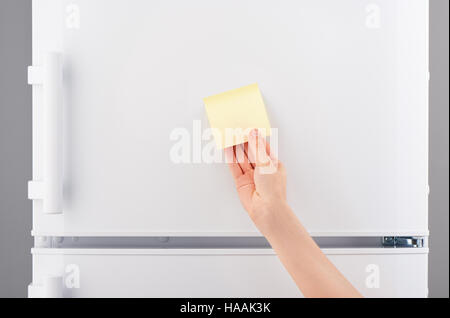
pixel 258 149
pixel 272 165
pixel 230 158
pixel 263 141
pixel 273 155
pixel 248 157
pixel 242 159
pixel 263 144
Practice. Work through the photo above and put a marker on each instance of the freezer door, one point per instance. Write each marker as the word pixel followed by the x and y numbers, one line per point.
pixel 215 273
pixel 345 84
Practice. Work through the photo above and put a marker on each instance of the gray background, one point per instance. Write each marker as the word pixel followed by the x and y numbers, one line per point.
pixel 15 148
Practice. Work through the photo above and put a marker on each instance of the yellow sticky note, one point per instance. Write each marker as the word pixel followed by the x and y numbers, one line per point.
pixel 234 113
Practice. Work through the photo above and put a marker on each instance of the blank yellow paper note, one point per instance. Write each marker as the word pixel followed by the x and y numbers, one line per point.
pixel 233 114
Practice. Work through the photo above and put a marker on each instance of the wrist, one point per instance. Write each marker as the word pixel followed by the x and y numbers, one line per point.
pixel 275 219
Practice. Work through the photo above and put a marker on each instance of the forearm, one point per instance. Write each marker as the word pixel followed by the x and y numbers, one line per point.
pixel 263 195
pixel 311 270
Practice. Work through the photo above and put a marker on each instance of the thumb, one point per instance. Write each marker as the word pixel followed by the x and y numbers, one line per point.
pixel 257 149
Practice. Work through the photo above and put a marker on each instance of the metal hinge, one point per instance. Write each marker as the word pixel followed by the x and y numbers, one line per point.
pixel 403 241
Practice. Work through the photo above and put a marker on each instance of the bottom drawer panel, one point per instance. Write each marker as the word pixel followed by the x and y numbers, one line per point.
pixel 195 273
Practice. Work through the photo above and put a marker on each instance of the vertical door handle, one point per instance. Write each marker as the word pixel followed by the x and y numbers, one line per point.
pixel 50 189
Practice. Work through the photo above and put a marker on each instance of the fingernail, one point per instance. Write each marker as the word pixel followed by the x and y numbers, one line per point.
pixel 254 132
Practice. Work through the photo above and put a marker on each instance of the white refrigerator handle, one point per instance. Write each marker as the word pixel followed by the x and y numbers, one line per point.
pixel 50 189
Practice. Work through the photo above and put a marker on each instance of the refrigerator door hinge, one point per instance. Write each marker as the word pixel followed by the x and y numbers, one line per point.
pixel 35 190
pixel 35 75
pixel 403 241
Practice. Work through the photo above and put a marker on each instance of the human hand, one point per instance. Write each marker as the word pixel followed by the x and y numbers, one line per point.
pixel 260 180
pixel 261 184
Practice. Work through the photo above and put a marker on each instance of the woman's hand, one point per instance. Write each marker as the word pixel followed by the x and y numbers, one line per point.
pixel 260 180
pixel 261 183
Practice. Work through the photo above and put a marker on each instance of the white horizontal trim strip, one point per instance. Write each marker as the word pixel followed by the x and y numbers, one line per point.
pixel 230 252
pixel 224 234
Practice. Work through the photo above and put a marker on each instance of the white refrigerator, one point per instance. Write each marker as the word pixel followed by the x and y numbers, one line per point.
pixel 117 84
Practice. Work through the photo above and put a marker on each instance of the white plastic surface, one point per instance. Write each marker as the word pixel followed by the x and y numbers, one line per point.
pixel 222 273
pixel 53 147
pixel 50 287
pixel 345 83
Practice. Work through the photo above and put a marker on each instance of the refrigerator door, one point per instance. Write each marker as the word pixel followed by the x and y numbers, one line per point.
pixel 345 83
pixel 215 273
